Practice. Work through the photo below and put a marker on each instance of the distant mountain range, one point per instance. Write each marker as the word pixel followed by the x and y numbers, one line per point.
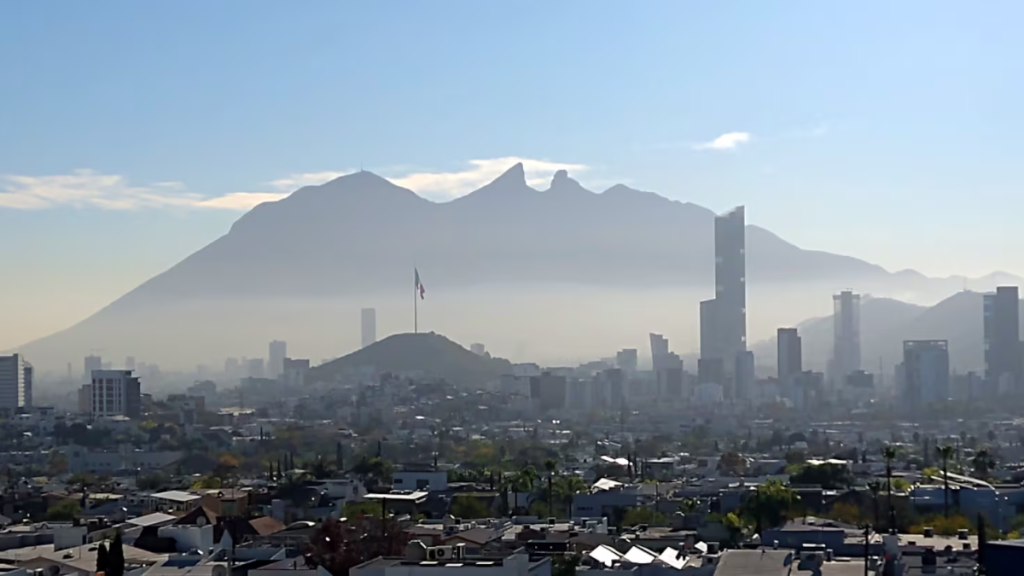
pixel 886 323
pixel 358 237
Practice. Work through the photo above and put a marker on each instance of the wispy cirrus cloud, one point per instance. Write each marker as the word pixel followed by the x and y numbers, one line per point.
pixel 92 189
pixel 89 188
pixel 727 141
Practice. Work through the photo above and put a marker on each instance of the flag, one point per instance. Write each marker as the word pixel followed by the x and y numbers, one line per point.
pixel 419 285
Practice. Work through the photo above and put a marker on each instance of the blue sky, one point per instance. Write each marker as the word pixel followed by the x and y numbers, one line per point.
pixel 132 133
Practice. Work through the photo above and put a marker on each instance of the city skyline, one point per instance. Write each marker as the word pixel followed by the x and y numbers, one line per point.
pixel 797 138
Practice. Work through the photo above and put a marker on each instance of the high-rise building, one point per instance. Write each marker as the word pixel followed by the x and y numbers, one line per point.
pixel 659 350
pixel 278 351
pixel 626 359
pixel 295 370
pixel 231 367
pixel 744 376
pixel 925 372
pixel 12 383
pixel 29 373
pixel 1002 339
pixel 112 393
pixel 92 363
pixel 790 358
pixel 368 318
pixel 129 363
pixel 723 319
pixel 846 342
pixel 254 368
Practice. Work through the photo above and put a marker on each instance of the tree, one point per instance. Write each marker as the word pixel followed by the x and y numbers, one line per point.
pixel 550 466
pixel 983 463
pixel 875 487
pixel 320 469
pixel 945 452
pixel 207 483
pixel 566 487
pixel 338 546
pixel 642 515
pixel 889 454
pixel 468 507
pixel 115 557
pixel 828 476
pixel 101 558
pixel 65 510
pixel 565 565
pixel 772 504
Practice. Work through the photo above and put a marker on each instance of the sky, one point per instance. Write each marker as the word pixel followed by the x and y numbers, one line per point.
pixel 134 133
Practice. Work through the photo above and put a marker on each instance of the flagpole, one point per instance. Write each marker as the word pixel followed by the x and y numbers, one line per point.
pixel 416 310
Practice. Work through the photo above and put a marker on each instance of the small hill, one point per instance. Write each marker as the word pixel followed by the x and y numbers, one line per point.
pixel 428 353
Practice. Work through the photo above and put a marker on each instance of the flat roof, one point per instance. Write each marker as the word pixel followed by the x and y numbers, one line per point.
pixel 176 495
pixel 152 519
pixel 398 497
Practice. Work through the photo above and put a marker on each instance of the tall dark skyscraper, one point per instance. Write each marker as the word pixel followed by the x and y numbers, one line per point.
pixel 1002 338
pixel 723 319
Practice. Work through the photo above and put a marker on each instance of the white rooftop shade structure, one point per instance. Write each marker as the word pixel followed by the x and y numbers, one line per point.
pixel 640 555
pixel 673 558
pixel 605 555
pixel 701 547
pixel 605 484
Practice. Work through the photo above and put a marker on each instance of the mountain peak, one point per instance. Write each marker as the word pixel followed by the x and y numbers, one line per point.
pixel 561 183
pixel 514 175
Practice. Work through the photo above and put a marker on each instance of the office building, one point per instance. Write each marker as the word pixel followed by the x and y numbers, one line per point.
pixel 743 376
pixel 368 318
pixel 129 363
pixel 254 368
pixel 711 370
pixel 723 319
pixel 1002 339
pixel 231 367
pixel 925 372
pixel 626 359
pixel 295 370
pixel 790 354
pixel 28 374
pixel 478 349
pixel 113 393
pixel 846 338
pixel 278 351
pixel 12 383
pixel 659 350
pixel 92 363
pixel 547 392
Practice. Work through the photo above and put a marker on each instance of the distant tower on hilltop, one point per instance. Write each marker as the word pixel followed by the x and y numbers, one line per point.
pixel 368 317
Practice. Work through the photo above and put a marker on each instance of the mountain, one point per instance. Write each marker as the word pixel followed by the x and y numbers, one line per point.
pixel 886 323
pixel 495 263
pixel 429 354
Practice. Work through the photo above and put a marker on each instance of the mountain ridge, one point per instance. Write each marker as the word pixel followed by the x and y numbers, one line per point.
pixel 357 237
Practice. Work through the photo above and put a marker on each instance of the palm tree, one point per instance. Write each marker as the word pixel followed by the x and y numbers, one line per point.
pixel 875 487
pixel 524 481
pixel 550 466
pixel 568 486
pixel 946 453
pixel 889 453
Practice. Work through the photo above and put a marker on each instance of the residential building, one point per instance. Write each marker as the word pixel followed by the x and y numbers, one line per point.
pixel 254 368
pixel 925 372
pixel 1002 338
pixel 113 393
pixel 421 560
pixel 12 382
pixel 278 351
pixel 429 480
pixel 368 323
pixel 548 392
pixel 846 339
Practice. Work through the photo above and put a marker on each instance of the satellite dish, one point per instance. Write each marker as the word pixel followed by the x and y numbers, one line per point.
pixel 201 521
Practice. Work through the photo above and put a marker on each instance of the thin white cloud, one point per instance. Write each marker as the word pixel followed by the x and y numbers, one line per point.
pixel 295 181
pixel 88 188
pixel 448 185
pixel 727 141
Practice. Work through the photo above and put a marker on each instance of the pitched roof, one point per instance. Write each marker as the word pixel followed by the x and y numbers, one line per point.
pixel 266 525
pixel 475 535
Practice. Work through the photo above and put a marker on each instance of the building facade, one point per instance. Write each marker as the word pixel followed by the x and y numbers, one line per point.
pixel 14 392
pixel 1002 338
pixel 113 393
pixel 723 319
pixel 925 372
pixel 846 340
pixel 277 352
